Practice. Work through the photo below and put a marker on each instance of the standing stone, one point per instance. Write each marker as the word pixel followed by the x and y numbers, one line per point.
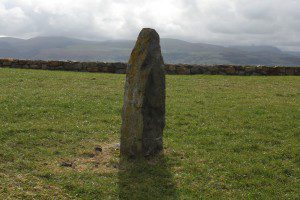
pixel 143 115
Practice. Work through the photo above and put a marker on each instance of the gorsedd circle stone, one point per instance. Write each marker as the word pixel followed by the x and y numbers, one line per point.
pixel 143 115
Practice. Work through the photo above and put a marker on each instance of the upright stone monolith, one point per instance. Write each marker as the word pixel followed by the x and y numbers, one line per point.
pixel 143 115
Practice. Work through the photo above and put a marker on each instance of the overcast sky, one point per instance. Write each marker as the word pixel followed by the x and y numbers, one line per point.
pixel 226 22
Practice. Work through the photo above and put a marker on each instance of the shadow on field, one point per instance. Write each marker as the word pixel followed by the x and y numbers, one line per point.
pixel 146 179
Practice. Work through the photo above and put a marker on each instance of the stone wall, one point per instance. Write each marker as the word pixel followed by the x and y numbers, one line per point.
pixel 120 68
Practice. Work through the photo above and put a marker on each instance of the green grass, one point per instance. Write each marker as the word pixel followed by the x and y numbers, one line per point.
pixel 227 137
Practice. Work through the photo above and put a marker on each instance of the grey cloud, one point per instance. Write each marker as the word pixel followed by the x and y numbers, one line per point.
pixel 271 22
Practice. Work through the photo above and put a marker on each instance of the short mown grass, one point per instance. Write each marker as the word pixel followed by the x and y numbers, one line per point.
pixel 226 137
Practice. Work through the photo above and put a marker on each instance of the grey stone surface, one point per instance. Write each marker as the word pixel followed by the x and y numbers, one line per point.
pixel 143 115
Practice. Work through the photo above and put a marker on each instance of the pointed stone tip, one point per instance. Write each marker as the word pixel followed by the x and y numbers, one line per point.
pixel 148 43
pixel 148 32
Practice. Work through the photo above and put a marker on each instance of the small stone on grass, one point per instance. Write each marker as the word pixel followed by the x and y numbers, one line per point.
pixel 66 164
pixel 98 149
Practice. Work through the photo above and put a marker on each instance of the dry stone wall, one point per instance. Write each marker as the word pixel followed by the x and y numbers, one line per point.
pixel 120 68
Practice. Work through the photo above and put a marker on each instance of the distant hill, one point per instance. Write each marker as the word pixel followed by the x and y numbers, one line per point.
pixel 294 53
pixel 174 51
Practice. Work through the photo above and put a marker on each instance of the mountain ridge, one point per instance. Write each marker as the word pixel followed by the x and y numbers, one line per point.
pixel 174 51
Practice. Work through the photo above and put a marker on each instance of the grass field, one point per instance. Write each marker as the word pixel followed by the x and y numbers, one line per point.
pixel 227 137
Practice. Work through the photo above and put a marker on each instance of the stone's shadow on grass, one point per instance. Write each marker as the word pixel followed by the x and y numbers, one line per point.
pixel 146 179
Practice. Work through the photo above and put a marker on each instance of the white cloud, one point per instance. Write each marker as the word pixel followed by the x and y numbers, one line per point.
pixel 273 22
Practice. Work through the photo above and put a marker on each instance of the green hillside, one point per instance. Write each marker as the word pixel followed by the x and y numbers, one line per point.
pixel 227 137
